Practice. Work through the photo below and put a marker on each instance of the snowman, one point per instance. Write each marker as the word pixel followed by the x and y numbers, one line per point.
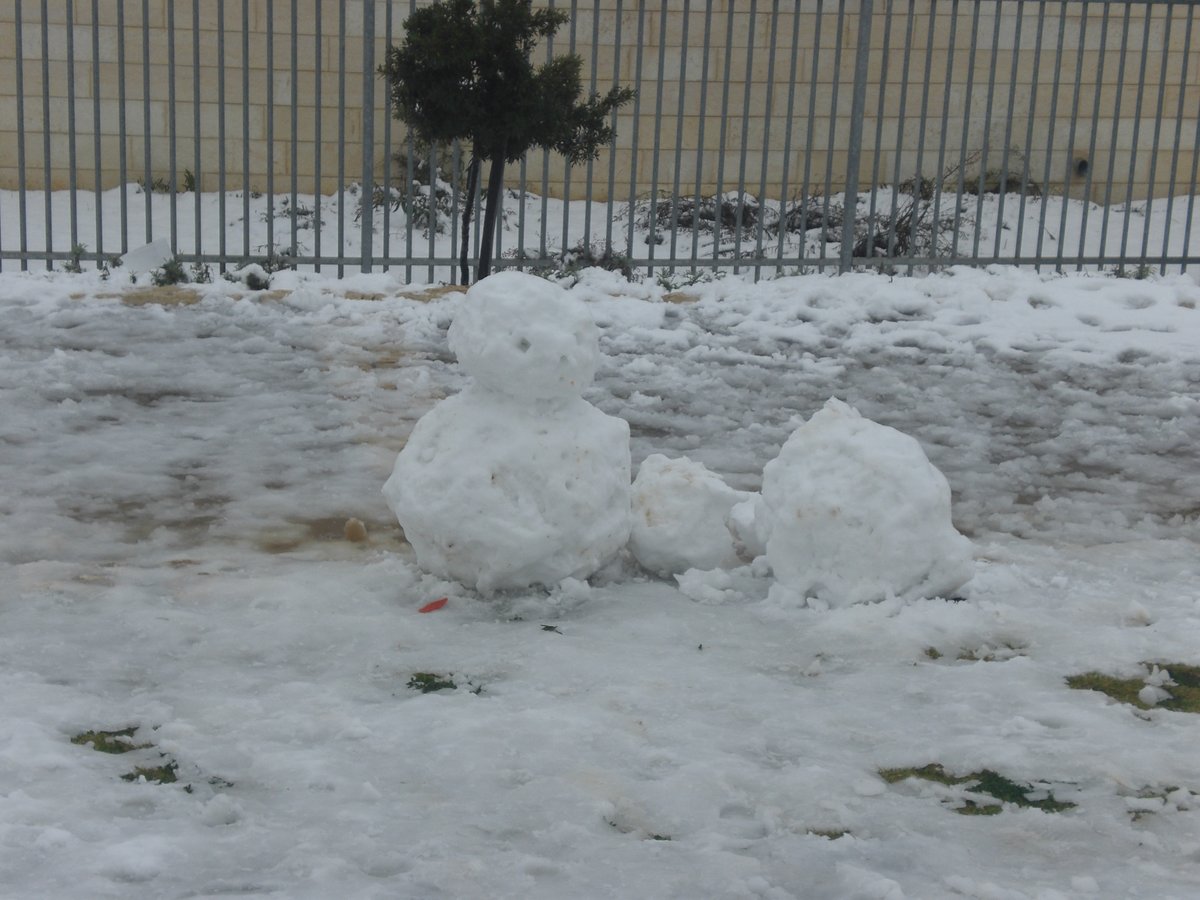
pixel 517 480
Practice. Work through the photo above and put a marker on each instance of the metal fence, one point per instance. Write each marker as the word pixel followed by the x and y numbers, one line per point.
pixel 765 136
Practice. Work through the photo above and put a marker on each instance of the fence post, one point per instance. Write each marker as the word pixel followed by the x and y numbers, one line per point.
pixel 367 198
pixel 854 151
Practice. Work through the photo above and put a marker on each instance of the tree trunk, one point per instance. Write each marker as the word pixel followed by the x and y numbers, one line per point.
pixel 468 208
pixel 491 213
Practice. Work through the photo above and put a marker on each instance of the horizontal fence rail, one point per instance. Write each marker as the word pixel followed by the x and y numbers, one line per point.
pixel 765 137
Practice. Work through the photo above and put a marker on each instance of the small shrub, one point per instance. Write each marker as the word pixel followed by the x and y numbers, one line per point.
pixel 73 265
pixel 189 182
pixel 201 274
pixel 171 272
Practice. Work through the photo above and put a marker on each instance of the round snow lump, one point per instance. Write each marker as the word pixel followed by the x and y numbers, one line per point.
pixel 856 512
pixel 523 336
pixel 499 494
pixel 680 514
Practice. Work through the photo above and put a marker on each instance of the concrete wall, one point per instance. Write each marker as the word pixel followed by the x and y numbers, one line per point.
pixel 1110 120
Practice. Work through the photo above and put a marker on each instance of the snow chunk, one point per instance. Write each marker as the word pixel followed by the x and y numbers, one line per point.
pixel 147 257
pixel 856 512
pixel 498 493
pixel 680 516
pixel 525 337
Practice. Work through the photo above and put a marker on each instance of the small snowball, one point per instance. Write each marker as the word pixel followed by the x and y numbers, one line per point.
pixel 856 512
pixel 525 337
pixel 1152 695
pixel 680 511
pixel 750 526
pixel 496 493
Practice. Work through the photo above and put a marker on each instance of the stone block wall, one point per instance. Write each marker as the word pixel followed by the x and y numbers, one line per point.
pixel 753 94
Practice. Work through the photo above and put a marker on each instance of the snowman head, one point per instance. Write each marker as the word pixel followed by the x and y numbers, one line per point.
pixel 525 337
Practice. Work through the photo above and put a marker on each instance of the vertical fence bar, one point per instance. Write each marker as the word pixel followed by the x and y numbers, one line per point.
pixel 122 131
pixel 246 130
pixel 196 125
pixel 1099 89
pixel 679 119
pixel 1031 118
pixel 545 186
pixel 567 167
pixel 827 201
pixel 46 169
pixel 1008 131
pixel 1053 123
pixel 1115 133
pixel 612 159
pixel 1187 48
pixel 808 136
pixel 341 155
pixel 960 187
pixel 787 142
pixel 703 110
pixel 1191 205
pixel 1062 224
pixel 872 220
pixel 1158 119
pixel 270 160
pixel 637 117
pixel 894 212
pixel 719 217
pixel 22 177
pixel 147 177
pixel 221 214
pixel 766 142
pixel 367 192
pixel 409 174
pixel 591 164
pixel 387 155
pixel 652 214
pixel 987 137
pixel 940 174
pixel 746 96
pixel 927 78
pixel 172 179
pixel 98 183
pixel 318 190
pixel 1137 122
pixel 294 129
pixel 858 105
pixel 73 159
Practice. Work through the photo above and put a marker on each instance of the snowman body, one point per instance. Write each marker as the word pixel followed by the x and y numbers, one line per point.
pixel 517 480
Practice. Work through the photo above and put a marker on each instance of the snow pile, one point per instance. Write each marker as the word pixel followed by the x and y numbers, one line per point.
pixel 516 480
pixel 681 515
pixel 855 512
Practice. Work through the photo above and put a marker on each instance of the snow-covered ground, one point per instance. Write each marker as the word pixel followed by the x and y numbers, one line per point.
pixel 176 476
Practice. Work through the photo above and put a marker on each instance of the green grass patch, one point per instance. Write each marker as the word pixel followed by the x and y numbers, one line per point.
pixel 429 682
pixel 985 782
pixel 119 741
pixel 1185 692
pixel 164 774
pixel 830 834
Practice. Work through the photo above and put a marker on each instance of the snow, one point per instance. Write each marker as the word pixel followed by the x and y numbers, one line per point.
pixel 526 338
pixel 854 512
pixel 177 478
pixel 681 515
pixel 516 481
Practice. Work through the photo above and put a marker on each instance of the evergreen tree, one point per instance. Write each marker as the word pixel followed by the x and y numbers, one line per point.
pixel 464 73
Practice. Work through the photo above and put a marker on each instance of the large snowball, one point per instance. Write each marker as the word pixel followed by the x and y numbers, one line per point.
pixel 856 512
pixel 526 337
pixel 680 515
pixel 497 493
